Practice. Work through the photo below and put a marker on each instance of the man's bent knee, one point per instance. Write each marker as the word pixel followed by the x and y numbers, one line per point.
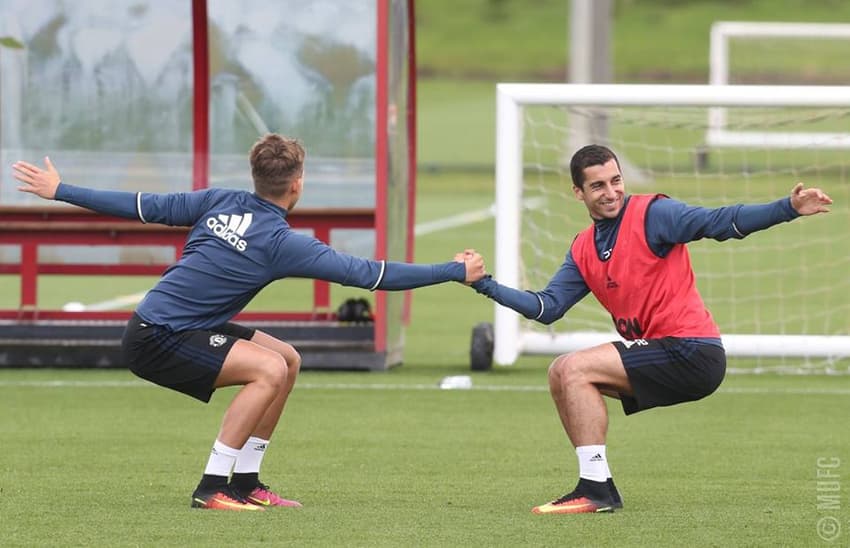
pixel 247 363
pixel 289 353
pixel 600 365
pixel 566 368
pixel 294 362
pixel 292 359
pixel 274 370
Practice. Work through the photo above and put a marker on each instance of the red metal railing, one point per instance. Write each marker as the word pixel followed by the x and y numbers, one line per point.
pixel 33 227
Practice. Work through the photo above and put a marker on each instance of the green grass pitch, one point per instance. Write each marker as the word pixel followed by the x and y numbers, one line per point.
pixel 389 460
pixel 93 458
pixel 98 458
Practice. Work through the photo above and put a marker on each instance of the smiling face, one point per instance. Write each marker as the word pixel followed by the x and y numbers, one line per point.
pixel 602 191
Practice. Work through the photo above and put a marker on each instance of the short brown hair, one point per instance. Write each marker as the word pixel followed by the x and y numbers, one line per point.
pixel 276 161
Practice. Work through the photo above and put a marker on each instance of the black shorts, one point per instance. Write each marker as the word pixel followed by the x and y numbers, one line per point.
pixel 185 361
pixel 670 370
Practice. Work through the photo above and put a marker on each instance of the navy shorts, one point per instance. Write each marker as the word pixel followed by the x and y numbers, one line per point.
pixel 186 361
pixel 670 370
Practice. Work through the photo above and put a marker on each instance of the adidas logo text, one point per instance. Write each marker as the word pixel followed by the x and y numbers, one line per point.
pixel 231 228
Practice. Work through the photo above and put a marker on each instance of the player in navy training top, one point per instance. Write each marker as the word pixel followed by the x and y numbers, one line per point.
pixel 634 259
pixel 180 336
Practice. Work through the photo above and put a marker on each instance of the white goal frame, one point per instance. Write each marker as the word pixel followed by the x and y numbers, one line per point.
pixel 509 340
pixel 721 31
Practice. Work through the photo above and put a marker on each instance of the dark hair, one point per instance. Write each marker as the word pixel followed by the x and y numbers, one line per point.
pixel 590 155
pixel 276 161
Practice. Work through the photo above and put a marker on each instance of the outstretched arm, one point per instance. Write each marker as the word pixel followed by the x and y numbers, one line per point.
pixel 672 222
pixel 301 256
pixel 565 289
pixel 46 183
pixel 176 209
pixel 397 276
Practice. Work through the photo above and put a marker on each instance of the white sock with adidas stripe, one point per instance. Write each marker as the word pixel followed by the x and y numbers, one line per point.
pixel 592 462
pixel 251 456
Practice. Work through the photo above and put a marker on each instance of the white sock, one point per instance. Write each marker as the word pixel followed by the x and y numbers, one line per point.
pixel 251 456
pixel 222 459
pixel 592 463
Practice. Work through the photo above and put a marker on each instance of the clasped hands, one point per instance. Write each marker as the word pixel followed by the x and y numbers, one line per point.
pixel 475 269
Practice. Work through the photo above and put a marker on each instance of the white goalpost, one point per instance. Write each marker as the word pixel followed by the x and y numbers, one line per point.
pixel 781 293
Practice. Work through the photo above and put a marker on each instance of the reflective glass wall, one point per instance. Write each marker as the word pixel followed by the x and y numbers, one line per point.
pixel 303 69
pixel 102 86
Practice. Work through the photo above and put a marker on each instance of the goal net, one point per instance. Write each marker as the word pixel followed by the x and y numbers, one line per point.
pixel 781 297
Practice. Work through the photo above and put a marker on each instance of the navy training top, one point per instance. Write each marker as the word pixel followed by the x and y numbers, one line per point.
pixel 238 244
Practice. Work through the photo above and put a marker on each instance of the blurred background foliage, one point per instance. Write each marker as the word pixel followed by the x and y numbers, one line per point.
pixel 465 48
pixel 652 40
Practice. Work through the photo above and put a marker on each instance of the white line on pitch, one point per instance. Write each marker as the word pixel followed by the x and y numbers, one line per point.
pixel 454 221
pixel 468 218
pixel 401 387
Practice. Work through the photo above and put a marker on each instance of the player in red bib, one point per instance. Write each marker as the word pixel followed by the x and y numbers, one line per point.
pixel 634 260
